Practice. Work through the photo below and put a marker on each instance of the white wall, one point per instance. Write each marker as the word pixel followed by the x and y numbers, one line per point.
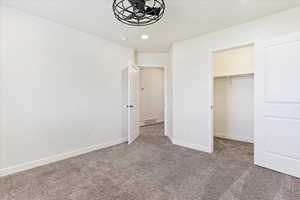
pixel 61 91
pixel 191 65
pixel 152 59
pixel 234 107
pixel 235 61
pixel 169 74
pixel 151 95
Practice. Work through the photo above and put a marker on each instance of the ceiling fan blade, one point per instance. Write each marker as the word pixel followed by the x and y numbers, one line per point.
pixel 138 4
pixel 153 11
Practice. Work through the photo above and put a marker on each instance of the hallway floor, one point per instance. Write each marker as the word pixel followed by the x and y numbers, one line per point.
pixel 154 169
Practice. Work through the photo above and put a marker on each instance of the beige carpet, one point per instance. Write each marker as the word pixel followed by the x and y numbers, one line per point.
pixel 153 168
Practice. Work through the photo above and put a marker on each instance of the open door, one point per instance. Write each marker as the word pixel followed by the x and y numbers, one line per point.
pixel 277 105
pixel 133 103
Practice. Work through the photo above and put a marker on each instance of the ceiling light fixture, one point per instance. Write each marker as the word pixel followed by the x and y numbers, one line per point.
pixel 138 12
pixel 145 37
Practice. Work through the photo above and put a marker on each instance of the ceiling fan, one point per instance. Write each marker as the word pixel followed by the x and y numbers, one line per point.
pixel 138 12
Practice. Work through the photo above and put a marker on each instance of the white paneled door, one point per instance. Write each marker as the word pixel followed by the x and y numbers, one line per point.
pixel 277 105
pixel 133 103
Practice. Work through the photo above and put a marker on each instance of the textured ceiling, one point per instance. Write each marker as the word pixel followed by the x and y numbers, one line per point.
pixel 183 18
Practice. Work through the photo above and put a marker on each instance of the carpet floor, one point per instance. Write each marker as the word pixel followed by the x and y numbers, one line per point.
pixel 154 169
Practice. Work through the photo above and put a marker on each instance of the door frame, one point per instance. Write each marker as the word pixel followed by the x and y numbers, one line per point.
pixel 211 86
pixel 165 94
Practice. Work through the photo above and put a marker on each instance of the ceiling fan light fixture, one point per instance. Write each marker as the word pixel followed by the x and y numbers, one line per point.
pixel 138 12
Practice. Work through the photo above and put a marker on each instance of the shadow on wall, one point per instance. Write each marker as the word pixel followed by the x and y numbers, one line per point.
pixel 124 102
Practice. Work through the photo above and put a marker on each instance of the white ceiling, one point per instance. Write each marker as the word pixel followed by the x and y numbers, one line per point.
pixel 183 18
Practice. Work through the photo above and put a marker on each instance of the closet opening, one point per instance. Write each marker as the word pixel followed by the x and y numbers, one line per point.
pixel 233 98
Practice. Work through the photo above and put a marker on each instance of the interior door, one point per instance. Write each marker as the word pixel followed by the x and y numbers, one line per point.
pixel 133 103
pixel 277 105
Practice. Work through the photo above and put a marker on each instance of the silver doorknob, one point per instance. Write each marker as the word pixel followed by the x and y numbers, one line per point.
pixel 129 106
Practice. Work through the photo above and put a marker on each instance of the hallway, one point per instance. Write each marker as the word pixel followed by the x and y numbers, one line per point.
pixel 153 134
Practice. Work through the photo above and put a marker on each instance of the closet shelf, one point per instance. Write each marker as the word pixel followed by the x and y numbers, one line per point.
pixel 233 75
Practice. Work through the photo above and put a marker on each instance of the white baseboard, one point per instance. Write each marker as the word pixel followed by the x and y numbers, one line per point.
pixel 59 157
pixel 170 138
pixel 142 124
pixel 226 136
pixel 192 146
